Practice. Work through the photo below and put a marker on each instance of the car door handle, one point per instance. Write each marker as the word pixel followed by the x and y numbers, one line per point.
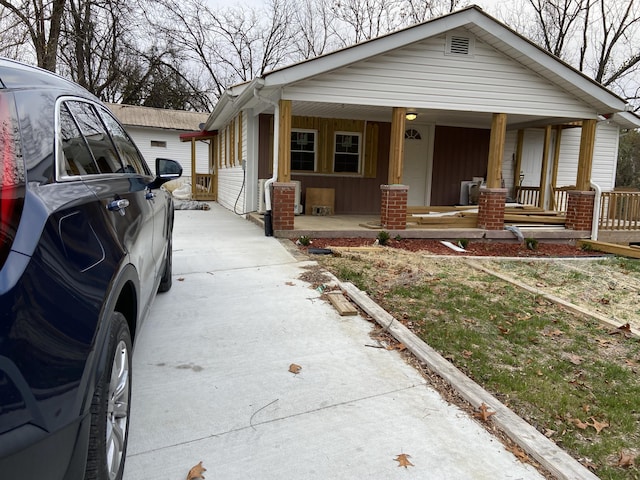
pixel 118 205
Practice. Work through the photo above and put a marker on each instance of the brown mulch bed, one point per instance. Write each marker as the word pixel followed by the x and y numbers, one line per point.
pixel 474 248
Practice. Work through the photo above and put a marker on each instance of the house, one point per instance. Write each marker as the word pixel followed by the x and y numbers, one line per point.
pixel 161 133
pixel 456 110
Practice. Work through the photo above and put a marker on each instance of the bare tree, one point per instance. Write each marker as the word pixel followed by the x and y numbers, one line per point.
pixel 600 38
pixel 42 22
pixel 360 20
pixel 314 21
pixel 418 11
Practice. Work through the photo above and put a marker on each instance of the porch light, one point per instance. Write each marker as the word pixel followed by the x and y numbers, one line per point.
pixel 411 116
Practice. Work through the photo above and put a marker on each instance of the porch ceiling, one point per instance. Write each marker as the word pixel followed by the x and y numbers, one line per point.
pixel 437 117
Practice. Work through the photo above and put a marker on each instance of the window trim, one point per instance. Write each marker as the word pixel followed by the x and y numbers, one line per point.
pixel 359 154
pixel 315 149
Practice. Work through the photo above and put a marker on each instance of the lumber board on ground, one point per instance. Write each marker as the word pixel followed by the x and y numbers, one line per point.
pixel 614 248
pixel 341 304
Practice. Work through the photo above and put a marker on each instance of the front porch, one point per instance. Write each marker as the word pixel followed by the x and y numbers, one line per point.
pixel 618 222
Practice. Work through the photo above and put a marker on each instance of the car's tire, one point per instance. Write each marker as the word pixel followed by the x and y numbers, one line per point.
pixel 110 407
pixel 165 281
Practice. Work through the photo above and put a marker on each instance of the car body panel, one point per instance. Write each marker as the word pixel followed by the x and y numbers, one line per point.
pixel 73 262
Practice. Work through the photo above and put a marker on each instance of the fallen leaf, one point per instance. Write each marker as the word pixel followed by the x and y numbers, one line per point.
pixel 403 460
pixel 290 284
pixel 599 426
pixel 196 472
pixel 484 412
pixel 503 331
pixel 518 452
pixel 580 424
pixel 575 359
pixel 401 347
pixel 626 460
pixel 623 329
pixel 467 354
pixel 294 368
pixel 549 433
pixel 604 301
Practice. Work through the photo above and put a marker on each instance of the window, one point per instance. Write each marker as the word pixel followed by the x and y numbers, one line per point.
pixel 77 156
pixel 129 154
pixel 347 153
pixel 303 150
pixel 95 135
pixel 158 143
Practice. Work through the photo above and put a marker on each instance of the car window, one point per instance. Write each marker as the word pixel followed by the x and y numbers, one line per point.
pixel 96 136
pixel 78 159
pixel 129 154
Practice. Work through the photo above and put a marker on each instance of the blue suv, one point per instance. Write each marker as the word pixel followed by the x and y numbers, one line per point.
pixel 85 244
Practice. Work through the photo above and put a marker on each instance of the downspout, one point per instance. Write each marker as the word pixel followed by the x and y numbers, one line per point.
pixel 268 229
pixel 596 211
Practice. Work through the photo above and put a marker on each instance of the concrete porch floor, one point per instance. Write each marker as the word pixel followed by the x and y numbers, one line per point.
pixel 367 226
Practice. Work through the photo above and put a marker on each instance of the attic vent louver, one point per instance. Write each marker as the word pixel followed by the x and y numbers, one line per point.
pixel 459 45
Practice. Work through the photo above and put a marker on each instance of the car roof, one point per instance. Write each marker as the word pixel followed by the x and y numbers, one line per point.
pixel 14 75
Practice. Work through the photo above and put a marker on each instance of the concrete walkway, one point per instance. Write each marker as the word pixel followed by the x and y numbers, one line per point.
pixel 212 380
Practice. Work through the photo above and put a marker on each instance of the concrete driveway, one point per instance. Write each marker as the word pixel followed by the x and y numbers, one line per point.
pixel 212 380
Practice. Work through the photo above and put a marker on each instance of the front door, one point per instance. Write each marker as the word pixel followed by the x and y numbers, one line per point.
pixel 418 163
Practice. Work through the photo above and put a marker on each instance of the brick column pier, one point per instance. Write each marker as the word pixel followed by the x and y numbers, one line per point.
pixel 491 208
pixel 580 206
pixel 393 211
pixel 282 213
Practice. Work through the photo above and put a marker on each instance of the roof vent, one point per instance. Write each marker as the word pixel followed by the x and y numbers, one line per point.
pixel 459 45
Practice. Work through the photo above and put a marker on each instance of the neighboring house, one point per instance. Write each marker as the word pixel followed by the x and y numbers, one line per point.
pixel 157 133
pixel 411 119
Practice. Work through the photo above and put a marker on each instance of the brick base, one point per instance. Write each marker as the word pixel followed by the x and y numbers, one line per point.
pixel 580 206
pixel 393 211
pixel 282 205
pixel 491 208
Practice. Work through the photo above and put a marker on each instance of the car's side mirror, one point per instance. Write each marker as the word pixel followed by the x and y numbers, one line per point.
pixel 166 169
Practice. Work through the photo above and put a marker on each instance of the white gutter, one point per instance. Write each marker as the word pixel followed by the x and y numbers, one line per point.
pixel 276 138
pixel 596 211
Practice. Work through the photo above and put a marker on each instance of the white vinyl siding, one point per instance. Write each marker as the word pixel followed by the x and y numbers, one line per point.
pixel 605 155
pixel 231 174
pixel 175 149
pixel 422 76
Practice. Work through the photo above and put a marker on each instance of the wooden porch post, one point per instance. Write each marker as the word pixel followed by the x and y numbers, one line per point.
pixel 284 142
pixel 193 169
pixel 556 161
pixel 496 150
pixel 518 167
pixel 585 157
pixel 492 199
pixel 396 148
pixel 545 167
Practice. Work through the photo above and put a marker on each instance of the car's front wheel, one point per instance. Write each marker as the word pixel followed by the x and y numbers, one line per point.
pixel 110 407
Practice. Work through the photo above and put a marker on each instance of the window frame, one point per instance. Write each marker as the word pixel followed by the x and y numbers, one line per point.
pixel 315 150
pixel 358 155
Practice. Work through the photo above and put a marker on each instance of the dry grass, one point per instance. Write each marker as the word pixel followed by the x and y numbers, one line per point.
pixel 572 378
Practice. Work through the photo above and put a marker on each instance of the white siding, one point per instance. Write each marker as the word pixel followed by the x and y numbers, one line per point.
pixel 605 156
pixel 175 149
pixel 231 194
pixel 422 76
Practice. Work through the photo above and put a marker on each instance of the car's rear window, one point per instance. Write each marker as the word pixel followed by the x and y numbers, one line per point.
pixel 12 175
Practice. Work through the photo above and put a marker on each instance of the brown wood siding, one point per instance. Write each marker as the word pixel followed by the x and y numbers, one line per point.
pixel 265 146
pixel 353 195
pixel 459 154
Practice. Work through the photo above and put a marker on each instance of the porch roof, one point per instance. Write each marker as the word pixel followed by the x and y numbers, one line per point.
pixel 261 92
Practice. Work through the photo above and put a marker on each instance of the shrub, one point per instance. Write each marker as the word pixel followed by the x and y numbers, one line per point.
pixel 383 237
